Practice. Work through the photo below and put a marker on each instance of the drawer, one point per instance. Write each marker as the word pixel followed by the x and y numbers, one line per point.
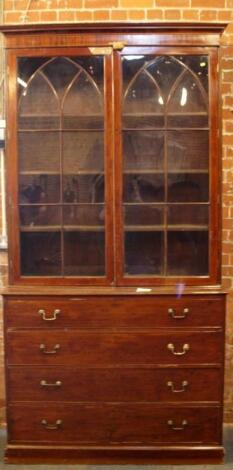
pixel 108 311
pixel 85 348
pixel 113 384
pixel 114 424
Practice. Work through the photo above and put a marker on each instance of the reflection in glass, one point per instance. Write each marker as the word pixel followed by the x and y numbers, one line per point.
pixel 187 253
pixel 39 100
pixel 188 150
pixel 61 161
pixel 144 253
pixel 168 165
pixel 84 253
pixel 40 253
pixel 83 151
pixel 165 70
pixel 143 150
pixel 192 215
pixel 143 188
pixel 33 216
pixel 83 91
pixel 188 96
pixel 39 151
pixel 143 214
pixel 39 188
pixel 83 188
pixel 143 96
pixel 188 187
pixel 85 215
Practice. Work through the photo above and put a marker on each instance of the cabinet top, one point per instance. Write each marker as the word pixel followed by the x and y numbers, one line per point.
pixel 163 33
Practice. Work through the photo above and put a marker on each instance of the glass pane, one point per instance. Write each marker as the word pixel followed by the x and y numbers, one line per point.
pixel 83 188
pixel 142 99
pixel 39 189
pixel 60 71
pixel 39 104
pixel 143 214
pixel 143 188
pixel 144 253
pixel 143 150
pixel 165 71
pixel 40 253
pixel 39 151
pixel 188 96
pixel 83 151
pixel 187 253
pixel 199 65
pixel 40 215
pixel 192 215
pixel 84 253
pixel 85 215
pixel 83 100
pixel 188 150
pixel 188 187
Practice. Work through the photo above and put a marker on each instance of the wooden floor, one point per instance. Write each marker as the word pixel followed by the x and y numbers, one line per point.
pixel 228 465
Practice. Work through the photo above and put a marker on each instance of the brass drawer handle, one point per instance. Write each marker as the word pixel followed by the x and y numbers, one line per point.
pixel 53 351
pixel 43 383
pixel 177 428
pixel 53 317
pixel 178 390
pixel 173 314
pixel 56 425
pixel 171 348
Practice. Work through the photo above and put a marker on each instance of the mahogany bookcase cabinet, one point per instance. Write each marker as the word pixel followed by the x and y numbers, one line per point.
pixel 114 313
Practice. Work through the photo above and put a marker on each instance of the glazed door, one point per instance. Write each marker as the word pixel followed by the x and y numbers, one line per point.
pixel 64 201
pixel 167 166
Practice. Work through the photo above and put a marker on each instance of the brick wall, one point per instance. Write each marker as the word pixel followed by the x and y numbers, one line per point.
pixel 159 10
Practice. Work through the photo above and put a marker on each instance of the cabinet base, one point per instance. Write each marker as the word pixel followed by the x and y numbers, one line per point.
pixel 16 454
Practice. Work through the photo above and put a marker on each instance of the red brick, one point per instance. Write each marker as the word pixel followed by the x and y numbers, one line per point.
pixel 191 15
pixel 172 3
pixel 118 15
pixel 225 15
pixel 100 3
pixel 84 15
pixel 136 4
pixel 101 15
pixel 208 3
pixel 66 15
pixel 155 14
pixel 48 16
pixel 209 15
pixel 172 14
pixel 136 15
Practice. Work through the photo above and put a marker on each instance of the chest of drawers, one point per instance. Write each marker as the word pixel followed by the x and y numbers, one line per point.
pixel 114 376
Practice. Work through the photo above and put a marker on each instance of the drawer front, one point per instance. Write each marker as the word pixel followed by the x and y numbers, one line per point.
pixel 113 424
pixel 103 312
pixel 94 348
pixel 114 384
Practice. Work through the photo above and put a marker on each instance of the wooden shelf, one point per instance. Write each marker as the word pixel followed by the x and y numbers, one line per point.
pixel 57 173
pixel 183 171
pixel 162 228
pixel 65 228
